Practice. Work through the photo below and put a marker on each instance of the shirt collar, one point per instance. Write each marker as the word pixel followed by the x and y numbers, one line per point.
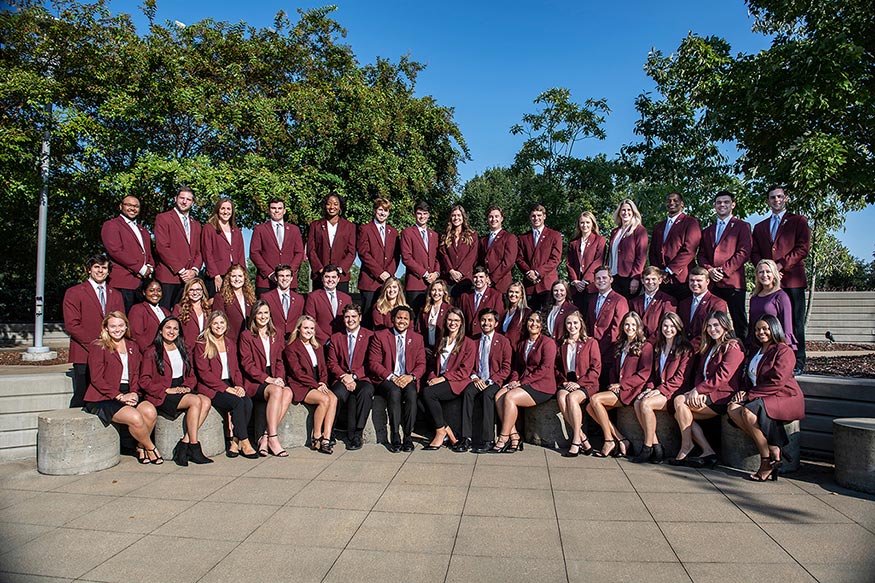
pixel 780 215
pixel 277 224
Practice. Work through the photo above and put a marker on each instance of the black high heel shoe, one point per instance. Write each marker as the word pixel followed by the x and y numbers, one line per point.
pixel 765 464
pixel 503 447
pixel 610 453
pixel 515 444
pixel 618 452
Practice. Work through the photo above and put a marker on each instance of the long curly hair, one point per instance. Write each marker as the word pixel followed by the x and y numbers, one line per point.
pixel 634 345
pixel 185 309
pixel 228 292
pixel 466 233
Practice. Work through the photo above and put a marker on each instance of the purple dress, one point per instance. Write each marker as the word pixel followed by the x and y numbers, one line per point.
pixel 778 305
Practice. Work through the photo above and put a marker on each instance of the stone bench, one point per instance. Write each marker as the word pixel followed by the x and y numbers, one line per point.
pixel 854 447
pixel 737 450
pixel 72 442
pixel 297 425
pixel 667 431
pixel 211 434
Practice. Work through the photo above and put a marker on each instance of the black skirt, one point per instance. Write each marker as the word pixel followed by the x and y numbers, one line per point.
pixel 106 410
pixel 773 430
pixel 537 396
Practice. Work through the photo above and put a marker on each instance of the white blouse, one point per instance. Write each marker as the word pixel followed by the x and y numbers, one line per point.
pixel 226 373
pixel 125 374
pixel 445 355
pixel 176 365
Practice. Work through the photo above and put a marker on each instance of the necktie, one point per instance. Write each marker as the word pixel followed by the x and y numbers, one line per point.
pixel 187 225
pixel 350 339
pixel 668 224
pixel 491 239
pixel 647 299
pixel 332 297
pixel 383 234
pixel 598 305
pixel 483 366
pixel 400 360
pixel 775 222
pixel 286 305
pixel 424 234
pixel 279 235
pixel 694 308
pixel 720 227
pixel 536 234
pixel 102 297
pixel 477 297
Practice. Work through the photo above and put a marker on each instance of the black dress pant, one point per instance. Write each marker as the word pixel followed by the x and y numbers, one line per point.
pixel 394 396
pixel 240 409
pixel 679 291
pixel 538 300
pixel 416 300
pixel 358 405
pixel 80 384
pixel 170 295
pixel 130 297
pixel 736 300
pixel 622 286
pixel 368 299
pixel 487 430
pixel 797 302
pixel 433 395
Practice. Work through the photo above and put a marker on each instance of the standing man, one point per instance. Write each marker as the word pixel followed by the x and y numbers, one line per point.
pixel 603 317
pixel 286 305
pixel 497 251
pixel 84 307
pixel 673 247
pixel 725 248
pixel 275 242
pixel 379 249
pixel 540 251
pixel 653 303
pixel 786 239
pixel 331 241
pixel 129 246
pixel 326 305
pixel 695 309
pixel 474 302
pixel 419 245
pixel 178 245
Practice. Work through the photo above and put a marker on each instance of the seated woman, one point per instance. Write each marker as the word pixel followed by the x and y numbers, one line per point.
pixel 193 310
pixel 114 366
pixel 145 316
pixel 632 364
pixel 671 375
pixel 449 373
pixel 391 295
pixel 578 366
pixel 532 382
pixel 516 313
pixel 771 396
pixel 261 361
pixel 308 378
pixel 558 309
pixel 717 379
pixel 219 378
pixel 167 381
pixel 769 298
pixel 431 319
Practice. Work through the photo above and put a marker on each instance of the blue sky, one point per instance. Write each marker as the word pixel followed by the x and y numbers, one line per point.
pixel 489 60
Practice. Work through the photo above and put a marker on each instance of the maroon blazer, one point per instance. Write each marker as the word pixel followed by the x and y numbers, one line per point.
pixel 587 365
pixel 791 247
pixel 337 355
pixel 125 252
pixel 299 368
pixel 218 253
pixel 105 372
pixel 633 374
pixel 516 328
pixel 418 261
pixel 266 254
pixel 693 329
pixel 143 323
pixel 782 397
pixel 544 258
pixel 321 253
pixel 460 366
pixel 631 252
pixel 724 373
pixel 675 378
pixel 730 254
pixel 606 327
pixel 83 317
pixel 209 370
pixel 460 256
pixel 593 257
pixel 380 320
pixel 284 324
pixel 559 325
pixel 175 252
pixel 319 307
pixel 376 257
pixel 422 322
pixel 236 317
pixel 381 355
pixel 253 360
pixel 678 251
pixel 659 305
pixel 500 356
pixel 191 329
pixel 491 299
pixel 153 385
pixel 499 258
pixel 539 369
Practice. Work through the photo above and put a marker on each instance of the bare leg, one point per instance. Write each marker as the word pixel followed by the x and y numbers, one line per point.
pixel 684 417
pixel 598 407
pixel 645 409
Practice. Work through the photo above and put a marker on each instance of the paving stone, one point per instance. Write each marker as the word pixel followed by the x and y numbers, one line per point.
pixel 14 535
pixel 826 543
pixel 422 499
pixel 134 515
pixel 305 527
pixel 585 540
pixel 109 483
pixel 270 491
pixel 434 474
pixel 625 572
pixel 340 495
pixel 710 542
pixel 587 480
pixel 510 502
pixel 601 506
pixel 672 482
pixel 764 508
pixel 536 538
pixel 51 508
pixel 271 562
pixel 360 471
pixel 741 571
pixel 371 565
pixel 502 477
pixel 411 533
pixel 229 521
pixel 692 507
pixel 464 569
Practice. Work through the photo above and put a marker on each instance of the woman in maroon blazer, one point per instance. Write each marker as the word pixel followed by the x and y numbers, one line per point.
pixel 221 244
pixel 717 379
pixel 391 296
pixel 193 310
pixel 671 375
pixel 627 249
pixel 431 318
pixel 450 370
pixel 457 252
pixel 114 364
pixel 219 378
pixel 633 360
pixel 331 241
pixel 516 313
pixel 308 378
pixel 235 299
pixel 770 397
pixel 261 361
pixel 168 382
pixel 585 252
pixel 532 382
pixel 558 309
pixel 145 316
pixel 578 366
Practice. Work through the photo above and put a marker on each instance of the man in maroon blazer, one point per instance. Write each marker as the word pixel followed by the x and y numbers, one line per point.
pixel 273 243
pixel 724 250
pixel 540 251
pixel 346 357
pixel 326 305
pixel 84 308
pixel 603 317
pixel 673 246
pixel 419 245
pixel 497 250
pixel 695 309
pixel 379 250
pixel 481 297
pixel 178 245
pixel 129 246
pixel 286 305
pixel 396 361
pixel 786 239
pixel 331 241
pixel 653 303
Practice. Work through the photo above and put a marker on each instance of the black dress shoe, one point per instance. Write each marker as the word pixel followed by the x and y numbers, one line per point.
pixel 196 454
pixel 355 443
pixel 407 446
pixel 701 462
pixel 643 456
pixel 483 447
pixel 395 446
pixel 658 454
pixel 462 445
pixel 180 453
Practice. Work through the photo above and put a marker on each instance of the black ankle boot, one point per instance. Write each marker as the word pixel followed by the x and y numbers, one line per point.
pixel 658 454
pixel 180 453
pixel 196 454
pixel 643 455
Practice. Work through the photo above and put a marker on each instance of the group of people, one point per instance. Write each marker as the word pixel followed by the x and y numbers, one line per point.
pixel 668 336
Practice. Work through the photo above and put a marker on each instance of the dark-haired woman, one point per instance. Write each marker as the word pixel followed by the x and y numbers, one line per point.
pixel 457 252
pixel 145 316
pixel 235 299
pixel 167 380
pixel 771 396
pixel 221 244
pixel 557 309
pixel 578 366
pixel 512 323
pixel 331 241
pixel 632 363
pixel 193 310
